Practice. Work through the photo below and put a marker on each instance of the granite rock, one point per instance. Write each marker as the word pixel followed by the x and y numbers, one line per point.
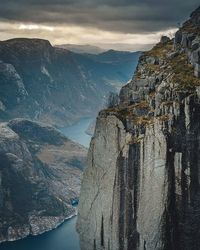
pixel 141 189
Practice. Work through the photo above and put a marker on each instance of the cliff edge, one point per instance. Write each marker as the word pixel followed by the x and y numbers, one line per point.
pixel 141 189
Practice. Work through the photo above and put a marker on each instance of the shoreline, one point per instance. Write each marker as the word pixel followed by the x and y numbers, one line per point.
pixel 42 232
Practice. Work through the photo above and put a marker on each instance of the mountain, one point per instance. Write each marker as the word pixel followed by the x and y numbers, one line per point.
pixel 40 175
pixel 125 46
pixel 82 48
pixel 102 47
pixel 141 189
pixel 121 64
pixel 54 85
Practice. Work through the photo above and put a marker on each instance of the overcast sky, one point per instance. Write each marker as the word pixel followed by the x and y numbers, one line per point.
pixel 127 23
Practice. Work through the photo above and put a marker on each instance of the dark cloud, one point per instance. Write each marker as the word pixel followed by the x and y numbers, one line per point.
pixel 128 16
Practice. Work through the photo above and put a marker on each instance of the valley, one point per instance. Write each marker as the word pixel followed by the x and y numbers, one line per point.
pixel 99 148
pixel 65 235
pixel 56 86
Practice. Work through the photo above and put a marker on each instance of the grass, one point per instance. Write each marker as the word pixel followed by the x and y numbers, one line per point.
pixel 163 118
pixel 167 103
pixel 189 27
pixel 153 68
pixel 179 72
pixel 143 120
pixel 180 68
pixel 152 93
pixel 130 112
pixel 183 72
pixel 160 50
pixel 138 74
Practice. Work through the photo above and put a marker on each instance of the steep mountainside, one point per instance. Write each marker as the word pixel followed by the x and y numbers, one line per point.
pixel 53 85
pixel 40 174
pixel 141 189
pixel 123 63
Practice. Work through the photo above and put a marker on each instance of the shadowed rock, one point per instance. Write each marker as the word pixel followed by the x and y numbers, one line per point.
pixel 141 190
pixel 40 175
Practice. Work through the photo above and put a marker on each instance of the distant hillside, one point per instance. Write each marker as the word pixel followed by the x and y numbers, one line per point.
pixel 123 62
pixel 54 85
pixel 41 173
pixel 81 49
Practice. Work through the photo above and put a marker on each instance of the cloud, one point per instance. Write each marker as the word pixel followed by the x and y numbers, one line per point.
pixel 130 16
pixel 88 21
pixel 81 35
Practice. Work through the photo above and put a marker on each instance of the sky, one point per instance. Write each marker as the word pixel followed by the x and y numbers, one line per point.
pixel 119 24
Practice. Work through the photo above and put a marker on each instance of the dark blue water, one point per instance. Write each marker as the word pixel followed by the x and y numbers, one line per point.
pixel 65 236
pixel 62 238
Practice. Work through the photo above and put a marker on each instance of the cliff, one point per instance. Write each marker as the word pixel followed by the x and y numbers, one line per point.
pixel 40 177
pixel 53 85
pixel 141 189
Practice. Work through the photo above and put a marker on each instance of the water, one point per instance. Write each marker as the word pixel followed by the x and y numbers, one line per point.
pixel 62 238
pixel 65 236
pixel 77 133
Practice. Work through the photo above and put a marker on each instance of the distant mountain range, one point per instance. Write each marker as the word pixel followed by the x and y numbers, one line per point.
pixel 102 47
pixel 81 49
pixel 54 85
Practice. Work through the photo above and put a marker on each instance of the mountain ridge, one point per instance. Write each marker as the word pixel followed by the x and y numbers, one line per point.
pixel 41 82
pixel 81 48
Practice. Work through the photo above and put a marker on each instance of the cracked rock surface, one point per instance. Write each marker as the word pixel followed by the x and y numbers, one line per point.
pixel 141 189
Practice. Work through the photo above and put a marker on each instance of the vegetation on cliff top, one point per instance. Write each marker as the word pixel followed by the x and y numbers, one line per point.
pixel 172 64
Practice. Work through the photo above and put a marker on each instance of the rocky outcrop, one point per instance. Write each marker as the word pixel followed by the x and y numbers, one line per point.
pixel 188 38
pixel 141 189
pixel 40 175
pixel 91 128
pixel 54 85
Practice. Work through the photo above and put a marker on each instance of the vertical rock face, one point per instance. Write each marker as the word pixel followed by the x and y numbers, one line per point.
pixel 141 190
pixel 101 187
